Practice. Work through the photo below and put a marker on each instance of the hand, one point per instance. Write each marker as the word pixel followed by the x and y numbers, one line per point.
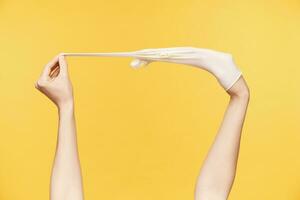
pixel 220 64
pixel 54 82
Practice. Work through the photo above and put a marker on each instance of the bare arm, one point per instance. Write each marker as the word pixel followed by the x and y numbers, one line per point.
pixel 218 171
pixel 66 180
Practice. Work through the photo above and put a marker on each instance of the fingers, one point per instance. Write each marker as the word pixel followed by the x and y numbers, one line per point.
pixel 55 67
pixel 46 73
pixel 54 71
pixel 47 68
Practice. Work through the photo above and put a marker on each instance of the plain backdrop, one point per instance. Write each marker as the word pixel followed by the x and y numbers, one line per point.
pixel 143 134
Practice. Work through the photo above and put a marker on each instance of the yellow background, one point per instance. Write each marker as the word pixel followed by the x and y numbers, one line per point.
pixel 143 134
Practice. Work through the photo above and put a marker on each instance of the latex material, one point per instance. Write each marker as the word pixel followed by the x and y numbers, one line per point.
pixel 220 64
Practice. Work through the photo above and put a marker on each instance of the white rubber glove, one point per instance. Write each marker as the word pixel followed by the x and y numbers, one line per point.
pixel 220 64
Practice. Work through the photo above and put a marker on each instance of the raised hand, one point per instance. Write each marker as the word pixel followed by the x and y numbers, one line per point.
pixel 54 82
pixel 220 64
pixel 66 180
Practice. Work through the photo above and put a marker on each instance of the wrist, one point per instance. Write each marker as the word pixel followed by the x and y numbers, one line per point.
pixel 239 90
pixel 66 107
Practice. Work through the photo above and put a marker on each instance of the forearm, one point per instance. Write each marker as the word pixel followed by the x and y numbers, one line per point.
pixel 67 132
pixel 218 171
pixel 66 181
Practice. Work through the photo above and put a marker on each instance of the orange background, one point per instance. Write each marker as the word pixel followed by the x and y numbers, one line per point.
pixel 143 134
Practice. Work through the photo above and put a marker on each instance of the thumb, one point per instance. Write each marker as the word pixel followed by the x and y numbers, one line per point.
pixel 63 65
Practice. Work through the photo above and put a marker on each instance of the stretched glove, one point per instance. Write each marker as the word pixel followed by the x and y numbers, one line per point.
pixel 220 64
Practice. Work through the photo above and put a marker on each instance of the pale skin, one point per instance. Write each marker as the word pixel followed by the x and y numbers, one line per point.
pixel 218 171
pixel 66 179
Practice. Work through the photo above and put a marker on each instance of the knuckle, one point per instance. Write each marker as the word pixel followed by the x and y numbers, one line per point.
pixel 40 83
